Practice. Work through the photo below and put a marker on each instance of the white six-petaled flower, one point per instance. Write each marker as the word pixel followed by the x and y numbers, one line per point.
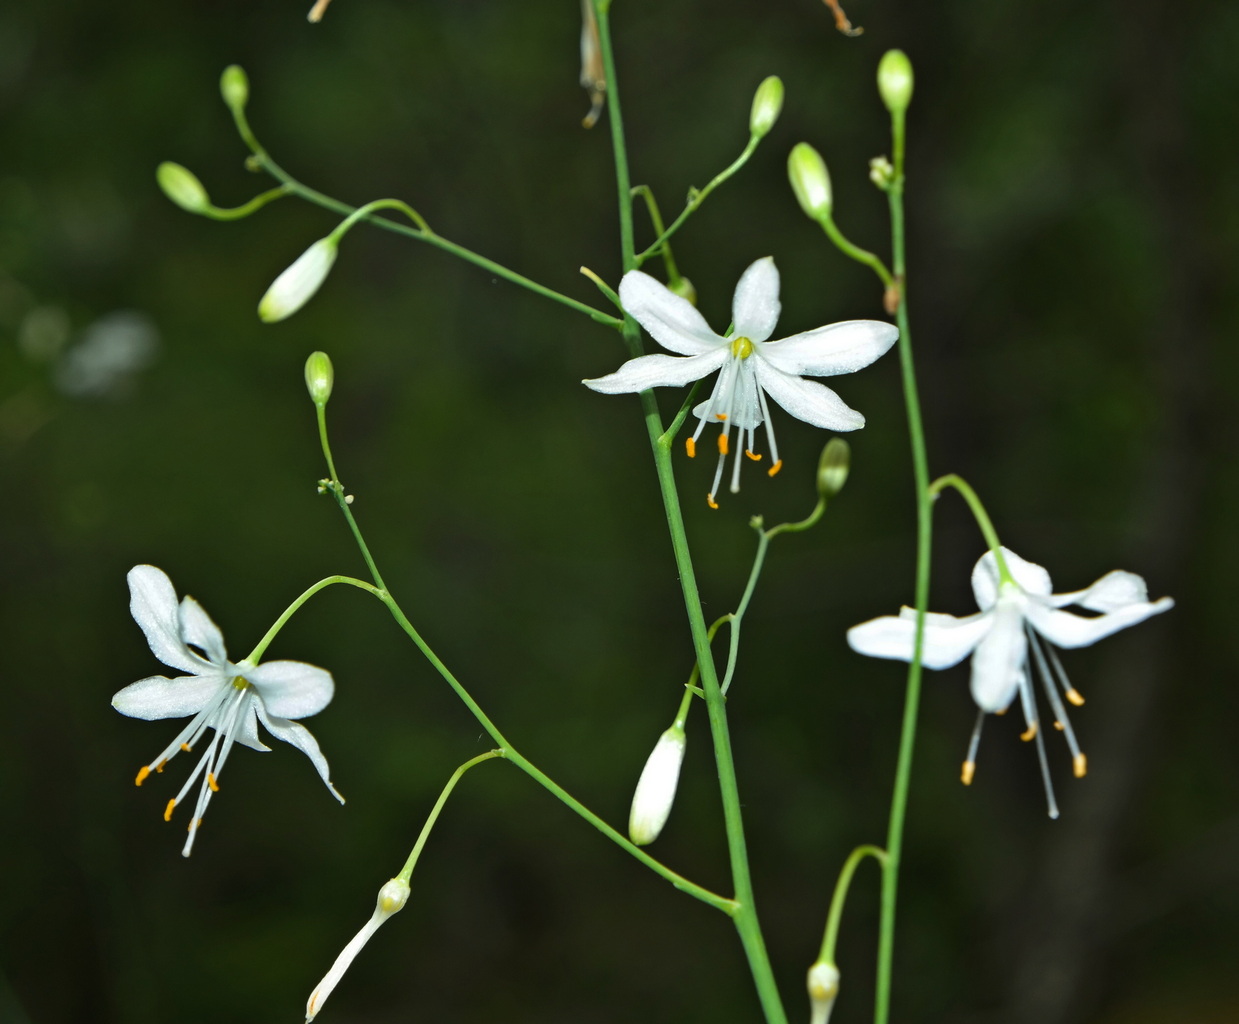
pixel 230 699
pixel 1017 616
pixel 751 366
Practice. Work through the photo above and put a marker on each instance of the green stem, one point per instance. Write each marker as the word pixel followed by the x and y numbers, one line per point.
pixel 924 529
pixel 656 218
pixel 257 203
pixel 745 912
pixel 406 872
pixel 737 617
pixel 979 514
pixel 827 956
pixel 855 251
pixel 292 609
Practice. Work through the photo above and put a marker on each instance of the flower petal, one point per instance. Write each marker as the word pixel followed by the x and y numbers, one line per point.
pixel 671 321
pixel 658 371
pixel 160 697
pixel 1032 578
pixel 152 602
pixel 836 348
pixel 755 306
pixel 948 640
pixel 198 629
pixel 999 660
pixel 301 738
pixel 291 689
pixel 807 400
pixel 1113 591
pixel 1065 629
pixel 247 728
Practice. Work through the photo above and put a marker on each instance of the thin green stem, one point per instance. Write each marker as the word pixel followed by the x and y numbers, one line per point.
pixel 668 435
pixel 406 872
pixel 737 617
pixel 745 912
pixel 292 609
pixel 855 251
pixel 363 212
pixel 244 210
pixel 979 514
pixel 829 939
pixel 344 501
pixel 656 218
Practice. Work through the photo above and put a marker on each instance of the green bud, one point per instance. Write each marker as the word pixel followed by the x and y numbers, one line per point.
pixel 806 170
pixel 683 287
pixel 881 173
pixel 895 80
pixel 832 467
pixel 234 86
pixel 319 376
pixel 297 285
pixel 182 186
pixel 767 103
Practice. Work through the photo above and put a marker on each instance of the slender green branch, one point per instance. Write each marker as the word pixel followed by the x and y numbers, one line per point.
pixel 979 514
pixel 292 609
pixel 827 955
pixel 245 209
pixel 668 435
pixel 855 252
pixel 656 218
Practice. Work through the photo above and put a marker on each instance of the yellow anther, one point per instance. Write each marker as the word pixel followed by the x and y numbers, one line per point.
pixel 194 824
pixel 710 501
pixel 1030 732
pixel 1079 765
pixel 755 458
pixel 212 783
pixel 741 348
pixel 143 772
pixel 775 468
pixel 1073 695
pixel 159 767
pixel 690 446
pixel 1058 726
pixel 720 415
pixel 722 444
pixel 970 769
pixel 167 811
pixel 186 747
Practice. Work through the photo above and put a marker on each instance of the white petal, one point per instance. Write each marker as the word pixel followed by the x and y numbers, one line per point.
pixel 833 349
pixel 159 697
pixel 755 306
pixel 658 371
pixel 655 793
pixel 1032 578
pixel 734 395
pixel 301 738
pixel 807 400
pixel 999 658
pixel 198 629
pixel 291 689
pixel 948 640
pixel 152 602
pixel 1065 629
pixel 671 321
pixel 247 728
pixel 1113 591
pixel 297 284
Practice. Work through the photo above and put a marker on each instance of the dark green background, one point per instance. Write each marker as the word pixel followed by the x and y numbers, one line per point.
pixel 1072 222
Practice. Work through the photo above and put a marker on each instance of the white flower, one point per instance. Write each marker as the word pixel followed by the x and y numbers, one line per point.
pixel 299 281
pixel 231 699
pixel 752 367
pixel 655 793
pixel 1017 616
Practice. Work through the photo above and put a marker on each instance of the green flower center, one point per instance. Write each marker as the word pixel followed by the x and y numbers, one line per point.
pixel 241 683
pixel 741 348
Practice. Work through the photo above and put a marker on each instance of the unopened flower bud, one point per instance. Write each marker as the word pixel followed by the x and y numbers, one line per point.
pixel 651 803
pixel 297 285
pixel 806 170
pixel 683 287
pixel 182 186
pixel 881 173
pixel 319 376
pixel 234 86
pixel 832 467
pixel 767 103
pixel 823 988
pixel 392 898
pixel 895 80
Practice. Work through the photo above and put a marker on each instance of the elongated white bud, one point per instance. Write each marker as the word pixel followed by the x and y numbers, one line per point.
pixel 651 803
pixel 297 285
pixel 767 105
pixel 392 898
pixel 823 988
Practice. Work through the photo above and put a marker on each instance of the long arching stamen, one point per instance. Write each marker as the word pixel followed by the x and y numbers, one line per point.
pixel 1078 761
pixel 970 764
pixel 1051 804
pixel 1069 691
pixel 775 462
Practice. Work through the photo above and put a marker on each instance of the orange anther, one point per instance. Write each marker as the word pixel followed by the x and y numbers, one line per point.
pixel 1030 732
pixel 710 501
pixel 212 783
pixel 755 458
pixel 159 767
pixel 690 446
pixel 970 769
pixel 775 468
pixel 721 415
pixel 1079 765
pixel 194 824
pixel 1058 726
pixel 722 444
pixel 143 772
pixel 167 811
pixel 1073 695
pixel 186 747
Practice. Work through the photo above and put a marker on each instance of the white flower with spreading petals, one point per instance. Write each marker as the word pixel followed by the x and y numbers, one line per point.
pixel 1017 616
pixel 752 367
pixel 230 699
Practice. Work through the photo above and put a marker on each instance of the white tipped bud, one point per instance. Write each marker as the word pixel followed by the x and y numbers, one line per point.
pixel 651 803
pixel 319 377
pixel 297 285
pixel 806 170
pixel 823 988
pixel 392 898
pixel 767 105
pixel 234 86
pixel 895 80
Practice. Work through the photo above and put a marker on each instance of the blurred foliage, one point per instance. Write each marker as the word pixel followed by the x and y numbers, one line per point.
pixel 1073 231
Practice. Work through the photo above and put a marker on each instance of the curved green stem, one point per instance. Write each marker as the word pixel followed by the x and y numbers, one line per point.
pixel 244 210
pixel 855 252
pixel 656 218
pixel 292 609
pixel 363 212
pixel 979 514
pixel 827 955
